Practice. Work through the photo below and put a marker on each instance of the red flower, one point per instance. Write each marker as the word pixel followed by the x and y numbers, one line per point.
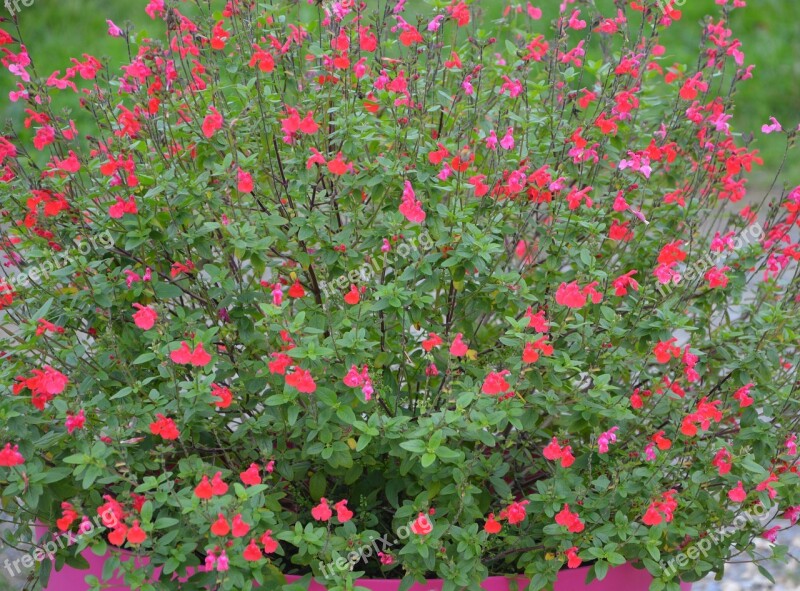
pixel 322 512
pixel 121 207
pixel 185 356
pixel 569 520
pixel 296 290
pixel 219 36
pixel 352 297
pixel 204 490
pixel 338 166
pixel 422 525
pixel 573 561
pixel 495 383
pixel 252 553
pixel 218 486
pixel 515 512
pixel 165 427
pixel 240 528
pixel 136 534
pixel 280 364
pixel 570 295
pixel 117 536
pixel 220 527
pixel 410 207
pixel 492 526
pixel 433 340
pixel 664 350
pixel 301 380
pixel 212 122
pixel 459 12
pixel 251 476
pixel 343 514
pixel 224 394
pixel 270 545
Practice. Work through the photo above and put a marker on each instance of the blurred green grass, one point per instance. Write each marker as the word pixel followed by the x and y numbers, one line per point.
pixel 54 31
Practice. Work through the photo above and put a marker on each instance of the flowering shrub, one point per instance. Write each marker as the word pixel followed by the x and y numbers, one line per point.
pixel 328 274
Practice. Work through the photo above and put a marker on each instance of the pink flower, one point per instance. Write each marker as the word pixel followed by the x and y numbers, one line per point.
pixel 772 534
pixel 245 181
pixel 491 140
pixel 738 494
pixel 742 395
pixel 410 207
pixel 145 318
pixel 773 126
pixel 606 439
pixel 113 29
pixel 507 143
pixel 74 422
pixel 458 348
pixel 343 514
pixel 212 123
pixel 791 445
pixel 10 456
pixel 185 356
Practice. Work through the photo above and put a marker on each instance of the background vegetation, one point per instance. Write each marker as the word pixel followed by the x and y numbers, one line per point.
pixel 55 31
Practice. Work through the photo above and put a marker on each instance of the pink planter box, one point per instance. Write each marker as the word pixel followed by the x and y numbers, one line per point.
pixel 623 577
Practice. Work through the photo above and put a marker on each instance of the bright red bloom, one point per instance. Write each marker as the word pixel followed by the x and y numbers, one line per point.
pixel 570 295
pixel 252 553
pixel 220 527
pixel 136 534
pixel 251 476
pixel 492 526
pixel 296 290
pixel 665 350
pixel 218 486
pixel 239 527
pixel 301 380
pixel 165 427
pixel 224 395
pixel 270 545
pixel 569 520
pixel 203 490
pixel 573 561
pixel 280 364
pixel 433 340
pixel 353 296
pixel 495 383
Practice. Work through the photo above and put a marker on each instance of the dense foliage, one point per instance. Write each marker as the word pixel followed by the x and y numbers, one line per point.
pixel 376 274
